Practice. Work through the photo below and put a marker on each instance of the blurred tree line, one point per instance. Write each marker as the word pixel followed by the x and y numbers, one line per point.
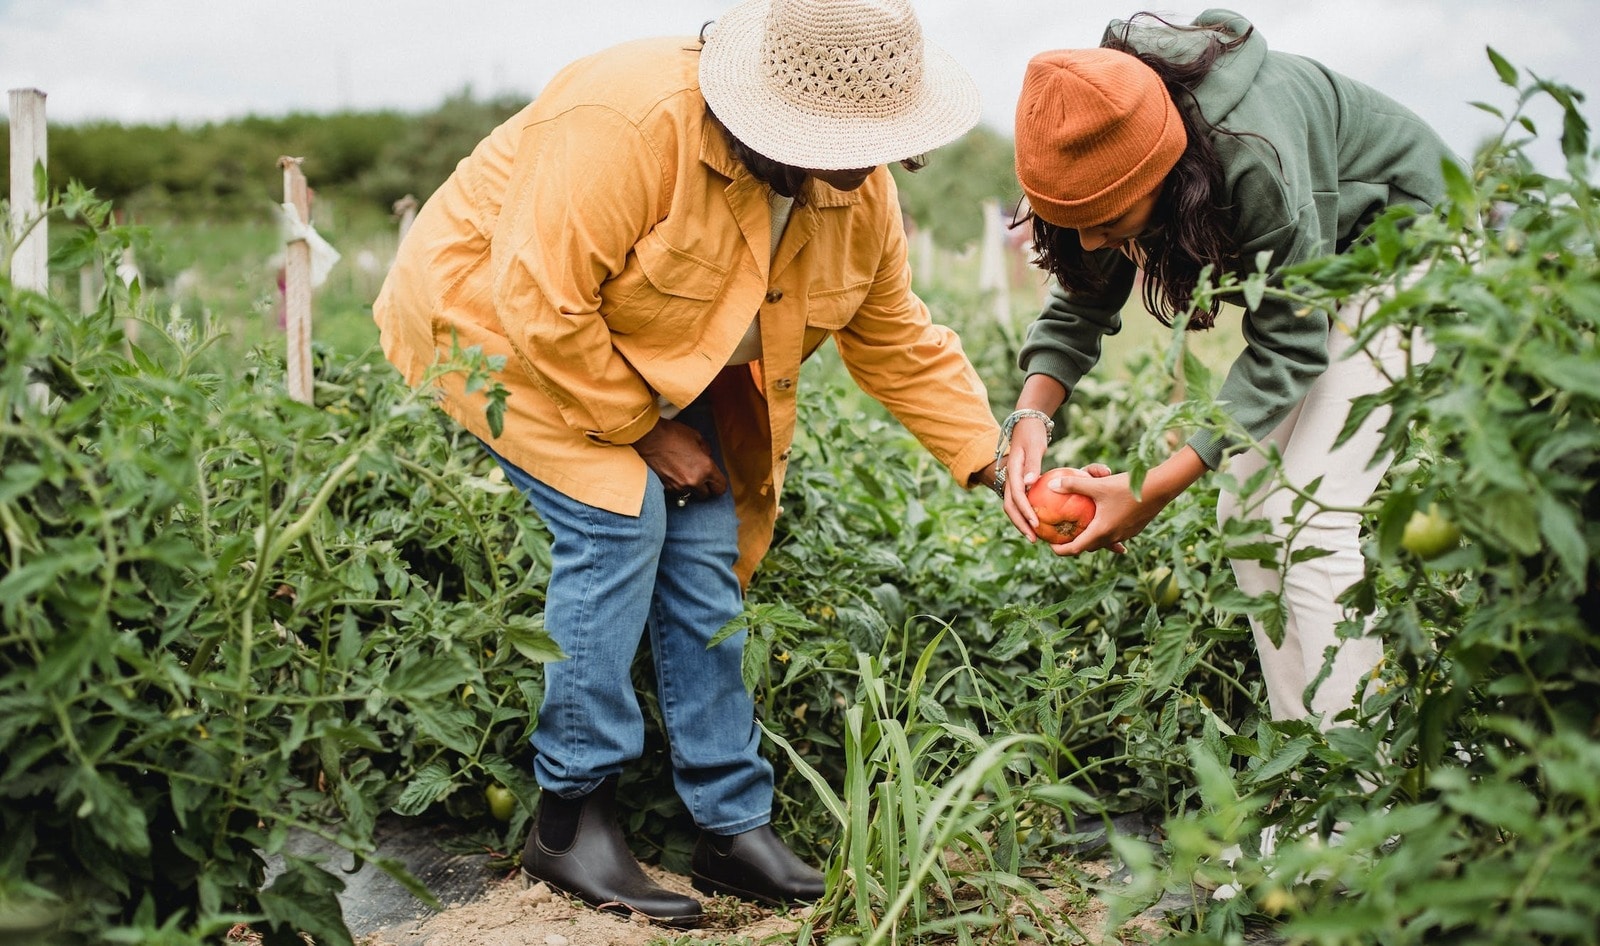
pixel 379 157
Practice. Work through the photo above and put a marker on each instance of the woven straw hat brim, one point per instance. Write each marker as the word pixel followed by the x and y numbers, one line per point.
pixel 946 106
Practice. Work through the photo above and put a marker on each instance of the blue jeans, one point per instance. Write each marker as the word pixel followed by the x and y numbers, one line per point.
pixel 613 576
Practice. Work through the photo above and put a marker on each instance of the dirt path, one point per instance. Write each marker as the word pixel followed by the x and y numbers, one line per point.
pixel 511 912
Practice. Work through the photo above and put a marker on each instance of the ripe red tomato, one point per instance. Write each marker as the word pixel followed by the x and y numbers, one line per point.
pixel 1061 515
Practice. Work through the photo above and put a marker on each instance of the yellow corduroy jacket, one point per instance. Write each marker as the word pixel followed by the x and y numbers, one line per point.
pixel 606 243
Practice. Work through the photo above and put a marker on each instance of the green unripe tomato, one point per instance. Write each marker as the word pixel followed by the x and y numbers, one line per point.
pixel 502 804
pixel 1162 587
pixel 1429 534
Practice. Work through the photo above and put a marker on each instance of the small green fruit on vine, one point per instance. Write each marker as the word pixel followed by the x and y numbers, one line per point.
pixel 1161 585
pixel 502 804
pixel 1429 534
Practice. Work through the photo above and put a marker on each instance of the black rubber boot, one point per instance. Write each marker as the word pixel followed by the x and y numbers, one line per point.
pixel 588 859
pixel 755 865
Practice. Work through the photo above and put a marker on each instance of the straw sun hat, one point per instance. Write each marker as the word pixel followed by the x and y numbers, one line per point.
pixel 830 85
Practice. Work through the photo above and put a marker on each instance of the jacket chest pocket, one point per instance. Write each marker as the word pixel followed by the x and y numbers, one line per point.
pixel 829 311
pixel 662 292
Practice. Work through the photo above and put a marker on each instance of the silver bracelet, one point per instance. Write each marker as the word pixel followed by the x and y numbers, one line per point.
pixel 1011 422
pixel 1002 448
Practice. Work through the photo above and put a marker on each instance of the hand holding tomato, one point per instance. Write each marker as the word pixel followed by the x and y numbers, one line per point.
pixel 1061 515
pixel 1119 515
pixel 1040 510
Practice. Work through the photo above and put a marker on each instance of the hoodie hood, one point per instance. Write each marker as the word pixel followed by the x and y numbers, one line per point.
pixel 1229 80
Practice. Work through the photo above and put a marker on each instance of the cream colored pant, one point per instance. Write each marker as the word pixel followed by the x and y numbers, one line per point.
pixel 1309 589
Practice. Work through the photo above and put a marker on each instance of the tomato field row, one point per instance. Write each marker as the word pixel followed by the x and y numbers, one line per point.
pixel 226 617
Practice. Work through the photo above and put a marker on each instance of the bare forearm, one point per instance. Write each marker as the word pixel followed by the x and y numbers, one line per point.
pixel 1041 393
pixel 1168 479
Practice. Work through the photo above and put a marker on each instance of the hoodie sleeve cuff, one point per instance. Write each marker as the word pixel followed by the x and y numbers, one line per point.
pixel 1210 445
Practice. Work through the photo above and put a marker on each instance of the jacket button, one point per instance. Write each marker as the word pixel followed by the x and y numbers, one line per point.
pixel 773 295
pixel 783 384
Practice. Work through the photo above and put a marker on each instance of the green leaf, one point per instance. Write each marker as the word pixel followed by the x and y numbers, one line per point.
pixel 1562 527
pixel 1458 187
pixel 418 679
pixel 753 662
pixel 1286 760
pixel 344 735
pixel 429 785
pixel 1501 804
pixel 109 810
pixel 1255 289
pixel 495 411
pixel 18 479
pixel 1577 373
pixel 1167 653
pixel 1063 796
pixel 531 640
pixel 444 721
pixel 1508 74
pixel 305 899
pixel 1512 519
pixel 47 569
pixel 396 869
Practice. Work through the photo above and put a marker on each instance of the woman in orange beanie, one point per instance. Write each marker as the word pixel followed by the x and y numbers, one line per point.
pixel 1173 148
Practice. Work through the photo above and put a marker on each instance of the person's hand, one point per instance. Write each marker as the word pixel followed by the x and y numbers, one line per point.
pixel 1118 516
pixel 682 460
pixel 1094 470
pixel 1028 440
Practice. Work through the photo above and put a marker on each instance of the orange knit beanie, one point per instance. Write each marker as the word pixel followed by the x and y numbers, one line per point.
pixel 1096 131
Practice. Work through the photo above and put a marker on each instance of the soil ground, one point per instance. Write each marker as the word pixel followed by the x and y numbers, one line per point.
pixel 513 912
pixel 484 906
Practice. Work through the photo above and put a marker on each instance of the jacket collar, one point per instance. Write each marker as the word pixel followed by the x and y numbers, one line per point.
pixel 716 155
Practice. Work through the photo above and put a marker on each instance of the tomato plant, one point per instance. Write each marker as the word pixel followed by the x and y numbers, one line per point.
pixel 281 618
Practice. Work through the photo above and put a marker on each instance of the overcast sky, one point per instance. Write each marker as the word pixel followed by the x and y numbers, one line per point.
pixel 199 60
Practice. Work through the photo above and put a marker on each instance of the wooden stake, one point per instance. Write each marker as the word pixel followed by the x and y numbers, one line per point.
pixel 88 288
pixel 993 277
pixel 28 133
pixel 406 209
pixel 297 285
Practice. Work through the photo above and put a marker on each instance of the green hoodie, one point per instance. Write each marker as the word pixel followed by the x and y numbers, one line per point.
pixel 1310 158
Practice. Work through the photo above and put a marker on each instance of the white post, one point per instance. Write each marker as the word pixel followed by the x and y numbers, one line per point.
pixel 406 209
pixel 128 271
pixel 922 252
pixel 993 276
pixel 28 151
pixel 88 288
pixel 297 284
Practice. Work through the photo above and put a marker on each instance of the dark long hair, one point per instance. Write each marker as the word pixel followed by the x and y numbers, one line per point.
pixel 1191 226
pixel 787 180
